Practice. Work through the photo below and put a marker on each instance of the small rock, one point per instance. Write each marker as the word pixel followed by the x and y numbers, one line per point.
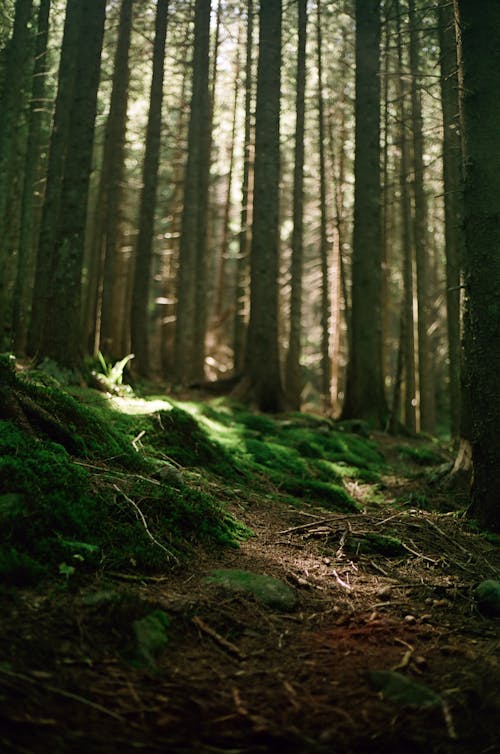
pixel 410 619
pixel 151 636
pixel 487 595
pixel 400 689
pixel 266 589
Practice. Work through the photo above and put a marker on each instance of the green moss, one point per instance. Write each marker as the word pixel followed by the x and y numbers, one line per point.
pixel 330 496
pixel 277 457
pixel 422 456
pixel 376 544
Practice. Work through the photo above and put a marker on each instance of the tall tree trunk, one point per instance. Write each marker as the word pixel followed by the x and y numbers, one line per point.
pixel 55 175
pixel 262 356
pixel 222 261
pixel 142 276
pixel 452 161
pixel 62 341
pixel 293 379
pixel 240 318
pixel 25 261
pixel 191 281
pixel 107 235
pixel 325 382
pixel 480 62
pixel 425 361
pixel 11 101
pixel 365 383
pixel 407 321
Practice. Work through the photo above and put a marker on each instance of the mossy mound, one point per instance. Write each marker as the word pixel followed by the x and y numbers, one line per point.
pixel 423 456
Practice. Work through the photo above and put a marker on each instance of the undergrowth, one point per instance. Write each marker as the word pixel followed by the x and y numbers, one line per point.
pixel 85 489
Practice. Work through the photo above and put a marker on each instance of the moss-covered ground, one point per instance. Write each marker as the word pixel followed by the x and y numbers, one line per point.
pixel 117 482
pixel 117 512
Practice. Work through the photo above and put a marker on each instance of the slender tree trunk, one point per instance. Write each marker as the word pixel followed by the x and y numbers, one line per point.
pixel 62 341
pixel 326 401
pixel 191 281
pixel 240 319
pixel 365 383
pixel 25 261
pixel 407 321
pixel 452 160
pixel 54 179
pixel 262 356
pixel 108 224
pixel 142 275
pixel 222 262
pixel 480 62
pixel 425 362
pixel 293 370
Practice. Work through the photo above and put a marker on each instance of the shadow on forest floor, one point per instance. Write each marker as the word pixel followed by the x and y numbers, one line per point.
pixel 383 582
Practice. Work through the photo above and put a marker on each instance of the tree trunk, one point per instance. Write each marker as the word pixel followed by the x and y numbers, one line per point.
pixel 325 380
pixel 365 386
pixel 54 179
pixel 25 261
pixel 240 318
pixel 407 321
pixel 480 61
pixel 62 341
pixel 191 281
pixel 452 176
pixel 425 361
pixel 142 275
pixel 262 365
pixel 293 370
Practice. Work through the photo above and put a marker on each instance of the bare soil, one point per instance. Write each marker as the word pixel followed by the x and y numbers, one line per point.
pixel 238 677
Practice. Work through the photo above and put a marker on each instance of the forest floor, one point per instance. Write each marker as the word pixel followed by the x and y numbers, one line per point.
pixel 237 676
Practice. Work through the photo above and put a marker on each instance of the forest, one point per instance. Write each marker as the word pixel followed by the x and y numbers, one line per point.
pixel 249 363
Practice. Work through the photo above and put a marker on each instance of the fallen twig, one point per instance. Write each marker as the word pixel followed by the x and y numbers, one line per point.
pixel 61 692
pixel 228 645
pixel 145 524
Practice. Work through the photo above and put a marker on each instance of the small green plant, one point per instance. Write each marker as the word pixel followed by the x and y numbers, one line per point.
pixel 111 375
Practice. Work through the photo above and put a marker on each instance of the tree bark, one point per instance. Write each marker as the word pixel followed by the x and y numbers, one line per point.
pixel 142 275
pixel 480 62
pixel 425 363
pixel 191 281
pixel 364 385
pixel 62 341
pixel 293 369
pixel 54 178
pixel 25 261
pixel 262 366
pixel 452 177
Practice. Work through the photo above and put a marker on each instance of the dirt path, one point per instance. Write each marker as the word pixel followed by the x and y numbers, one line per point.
pixel 239 677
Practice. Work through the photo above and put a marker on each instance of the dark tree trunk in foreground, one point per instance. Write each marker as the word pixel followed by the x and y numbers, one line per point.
pixel 452 161
pixel 480 61
pixel 191 283
pixel 142 275
pixel 293 369
pixel 61 341
pixel 364 385
pixel 54 178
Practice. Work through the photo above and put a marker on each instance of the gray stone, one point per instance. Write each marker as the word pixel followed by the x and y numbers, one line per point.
pixel 265 589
